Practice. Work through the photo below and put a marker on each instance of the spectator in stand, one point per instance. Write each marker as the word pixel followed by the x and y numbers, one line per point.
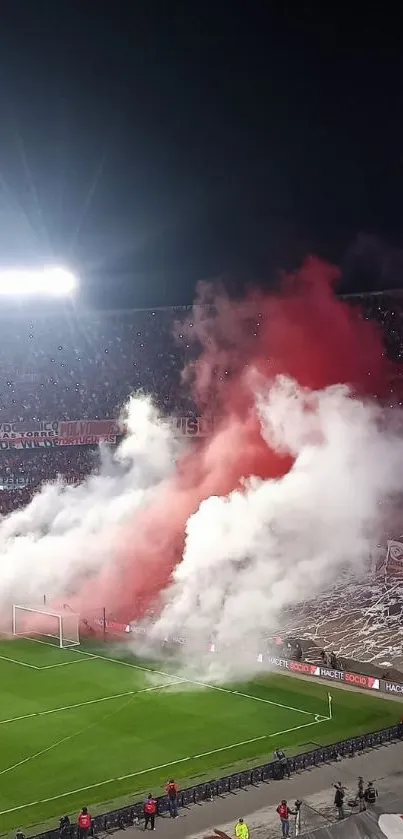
pixel 84 823
pixel 150 810
pixel 172 790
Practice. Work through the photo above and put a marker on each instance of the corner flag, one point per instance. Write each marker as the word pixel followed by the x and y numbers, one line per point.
pixel 330 700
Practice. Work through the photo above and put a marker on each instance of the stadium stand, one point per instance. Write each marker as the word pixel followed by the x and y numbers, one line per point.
pixel 70 366
pixel 64 366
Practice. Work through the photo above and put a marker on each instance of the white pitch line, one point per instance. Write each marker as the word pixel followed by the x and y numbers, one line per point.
pixel 21 663
pixel 197 683
pixel 88 702
pixel 62 664
pixel 157 768
pixel 179 679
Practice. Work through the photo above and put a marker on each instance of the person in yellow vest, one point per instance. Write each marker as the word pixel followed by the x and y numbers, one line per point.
pixel 241 830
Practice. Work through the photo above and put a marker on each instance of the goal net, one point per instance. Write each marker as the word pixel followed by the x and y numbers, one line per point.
pixel 58 628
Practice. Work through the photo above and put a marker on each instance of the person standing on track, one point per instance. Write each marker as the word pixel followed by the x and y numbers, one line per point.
pixel 360 795
pixel 84 823
pixel 284 813
pixel 370 794
pixel 339 800
pixel 172 790
pixel 150 810
pixel 241 830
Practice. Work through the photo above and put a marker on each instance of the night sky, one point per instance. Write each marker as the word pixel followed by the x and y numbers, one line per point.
pixel 150 145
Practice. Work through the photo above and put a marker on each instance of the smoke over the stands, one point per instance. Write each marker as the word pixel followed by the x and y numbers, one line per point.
pixel 286 492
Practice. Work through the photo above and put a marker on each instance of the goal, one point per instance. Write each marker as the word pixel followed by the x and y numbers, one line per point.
pixel 61 628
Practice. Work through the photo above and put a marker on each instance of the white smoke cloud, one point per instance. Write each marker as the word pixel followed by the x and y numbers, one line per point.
pixel 279 542
pixel 69 532
pixel 247 556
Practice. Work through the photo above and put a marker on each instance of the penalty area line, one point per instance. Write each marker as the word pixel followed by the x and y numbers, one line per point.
pixel 62 664
pixel 171 763
pixel 196 683
pixel 20 663
pixel 87 702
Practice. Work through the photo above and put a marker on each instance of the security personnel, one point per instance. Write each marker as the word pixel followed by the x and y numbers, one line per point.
pixel 241 830
pixel 84 823
pixel 370 794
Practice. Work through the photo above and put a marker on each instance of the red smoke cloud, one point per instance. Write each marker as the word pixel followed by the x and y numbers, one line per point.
pixel 305 332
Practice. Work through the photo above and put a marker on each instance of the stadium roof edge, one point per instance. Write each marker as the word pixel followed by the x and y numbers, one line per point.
pixel 11 308
pixel 379 293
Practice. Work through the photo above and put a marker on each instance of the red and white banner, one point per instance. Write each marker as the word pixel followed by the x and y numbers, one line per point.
pixel 307 669
pixel 88 432
pixel 52 434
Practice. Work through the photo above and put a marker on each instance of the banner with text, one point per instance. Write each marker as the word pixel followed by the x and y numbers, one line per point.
pixel 51 434
pixel 306 668
pixel 190 426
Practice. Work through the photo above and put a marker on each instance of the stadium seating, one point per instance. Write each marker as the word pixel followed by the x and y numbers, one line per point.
pixel 76 367
pixel 69 366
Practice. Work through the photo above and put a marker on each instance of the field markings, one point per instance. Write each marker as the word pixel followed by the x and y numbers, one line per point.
pixel 132 694
pixel 174 680
pixel 42 667
pixel 196 683
pixel 179 679
pixel 21 663
pixel 87 702
pixel 150 768
pixel 61 664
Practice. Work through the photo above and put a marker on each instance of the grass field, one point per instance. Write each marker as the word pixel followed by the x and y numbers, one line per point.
pixel 78 727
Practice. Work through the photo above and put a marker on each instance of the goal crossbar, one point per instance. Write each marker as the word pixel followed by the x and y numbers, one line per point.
pixel 62 627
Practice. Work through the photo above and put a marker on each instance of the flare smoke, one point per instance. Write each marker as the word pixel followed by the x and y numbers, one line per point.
pixel 287 491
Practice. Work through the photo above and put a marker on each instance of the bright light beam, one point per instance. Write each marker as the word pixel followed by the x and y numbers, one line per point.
pixel 52 280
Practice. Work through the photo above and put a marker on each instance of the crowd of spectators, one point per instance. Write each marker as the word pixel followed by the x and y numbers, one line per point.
pixel 22 472
pixel 387 310
pixel 68 365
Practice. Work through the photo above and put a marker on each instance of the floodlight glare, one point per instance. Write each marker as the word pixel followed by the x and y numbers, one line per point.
pixel 52 280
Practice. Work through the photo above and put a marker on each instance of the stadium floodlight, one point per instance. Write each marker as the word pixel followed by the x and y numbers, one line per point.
pixel 61 628
pixel 51 280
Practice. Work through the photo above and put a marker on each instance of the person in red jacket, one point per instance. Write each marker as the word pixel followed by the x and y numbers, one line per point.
pixel 84 823
pixel 150 810
pixel 172 790
pixel 285 813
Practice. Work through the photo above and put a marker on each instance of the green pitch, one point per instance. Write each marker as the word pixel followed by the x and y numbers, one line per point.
pixel 79 728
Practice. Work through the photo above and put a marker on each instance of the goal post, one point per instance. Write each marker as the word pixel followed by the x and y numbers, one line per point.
pixel 61 628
